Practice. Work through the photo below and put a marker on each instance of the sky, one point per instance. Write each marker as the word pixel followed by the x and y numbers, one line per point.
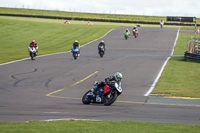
pixel 185 8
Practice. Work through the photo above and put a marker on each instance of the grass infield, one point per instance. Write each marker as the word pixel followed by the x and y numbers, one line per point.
pixel 82 126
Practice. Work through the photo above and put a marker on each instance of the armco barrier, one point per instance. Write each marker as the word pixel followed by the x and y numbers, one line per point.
pixel 92 19
pixel 192 56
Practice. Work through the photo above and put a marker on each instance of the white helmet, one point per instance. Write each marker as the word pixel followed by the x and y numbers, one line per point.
pixel 95 83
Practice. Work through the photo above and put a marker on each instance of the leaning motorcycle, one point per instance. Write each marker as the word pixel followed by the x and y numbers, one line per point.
pixel 101 50
pixel 126 35
pixel 33 52
pixel 75 52
pixel 106 95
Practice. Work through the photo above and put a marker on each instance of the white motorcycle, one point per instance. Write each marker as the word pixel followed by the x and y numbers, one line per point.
pixel 33 52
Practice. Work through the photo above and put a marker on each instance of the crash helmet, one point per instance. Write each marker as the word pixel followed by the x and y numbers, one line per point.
pixel 76 41
pixel 96 83
pixel 33 41
pixel 102 41
pixel 134 27
pixel 126 30
pixel 118 76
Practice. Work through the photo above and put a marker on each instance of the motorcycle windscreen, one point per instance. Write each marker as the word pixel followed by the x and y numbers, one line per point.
pixel 106 89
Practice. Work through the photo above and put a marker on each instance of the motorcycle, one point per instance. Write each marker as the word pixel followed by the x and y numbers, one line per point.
pixel 161 25
pixel 75 52
pixel 135 33
pixel 33 52
pixel 101 50
pixel 126 35
pixel 106 95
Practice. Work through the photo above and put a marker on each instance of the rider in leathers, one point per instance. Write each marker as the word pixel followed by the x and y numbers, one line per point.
pixel 34 44
pixel 110 80
pixel 102 43
pixel 75 45
pixel 135 29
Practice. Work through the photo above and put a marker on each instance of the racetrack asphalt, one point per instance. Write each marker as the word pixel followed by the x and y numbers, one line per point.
pixel 51 87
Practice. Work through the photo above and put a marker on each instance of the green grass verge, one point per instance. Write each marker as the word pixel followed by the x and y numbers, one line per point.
pixel 80 15
pixel 85 15
pixel 180 78
pixel 80 126
pixel 181 44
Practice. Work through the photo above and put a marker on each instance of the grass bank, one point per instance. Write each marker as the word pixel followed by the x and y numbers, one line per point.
pixel 180 78
pixel 80 126
pixel 80 15
pixel 84 15
pixel 181 44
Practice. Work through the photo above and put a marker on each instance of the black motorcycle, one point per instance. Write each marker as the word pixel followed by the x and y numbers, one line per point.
pixel 106 95
pixel 101 50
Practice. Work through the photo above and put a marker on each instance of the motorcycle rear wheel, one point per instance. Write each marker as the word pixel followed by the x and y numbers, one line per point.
pixel 135 35
pixel 110 98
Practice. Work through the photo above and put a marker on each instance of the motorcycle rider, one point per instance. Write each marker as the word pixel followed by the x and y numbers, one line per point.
pixel 102 44
pixel 135 29
pixel 76 45
pixel 162 22
pixel 127 31
pixel 116 78
pixel 34 44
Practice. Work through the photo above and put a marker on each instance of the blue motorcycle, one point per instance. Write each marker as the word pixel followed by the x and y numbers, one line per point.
pixel 75 52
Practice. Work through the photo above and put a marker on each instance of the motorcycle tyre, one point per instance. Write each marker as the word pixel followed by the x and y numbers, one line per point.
pixel 101 53
pixel 75 55
pixel 84 100
pixel 136 35
pixel 114 97
pixel 32 56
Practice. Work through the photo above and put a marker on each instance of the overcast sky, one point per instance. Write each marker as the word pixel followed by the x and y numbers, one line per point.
pixel 134 7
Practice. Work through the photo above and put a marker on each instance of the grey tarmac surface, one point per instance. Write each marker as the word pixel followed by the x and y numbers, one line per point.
pixel 51 87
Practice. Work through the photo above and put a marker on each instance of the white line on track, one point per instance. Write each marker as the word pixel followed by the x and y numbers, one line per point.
pixel 69 119
pixel 159 74
pixel 56 112
pixel 57 53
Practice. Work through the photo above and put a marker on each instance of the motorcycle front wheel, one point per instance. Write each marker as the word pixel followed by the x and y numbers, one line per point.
pixel 75 55
pixel 86 99
pixel 110 98
pixel 32 56
pixel 101 53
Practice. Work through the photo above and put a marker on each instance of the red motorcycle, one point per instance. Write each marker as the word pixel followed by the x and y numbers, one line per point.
pixel 135 33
